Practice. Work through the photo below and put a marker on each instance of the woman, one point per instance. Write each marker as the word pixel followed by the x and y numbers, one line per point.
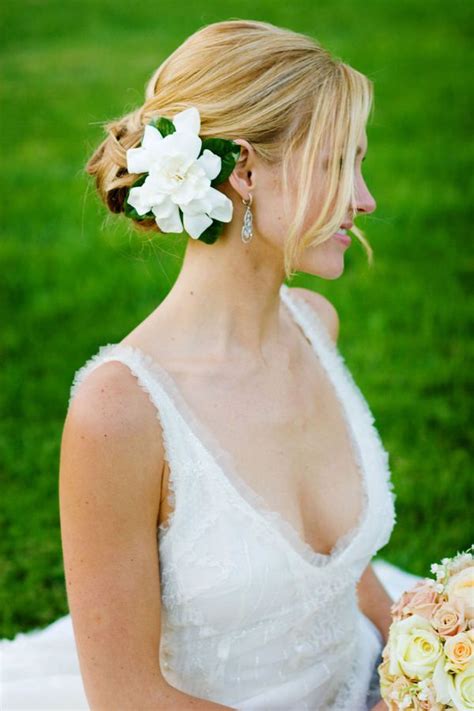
pixel 222 486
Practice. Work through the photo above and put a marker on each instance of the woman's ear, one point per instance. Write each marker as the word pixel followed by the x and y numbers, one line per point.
pixel 242 178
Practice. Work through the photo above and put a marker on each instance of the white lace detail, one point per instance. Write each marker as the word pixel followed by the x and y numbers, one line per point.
pixel 372 457
pixel 252 616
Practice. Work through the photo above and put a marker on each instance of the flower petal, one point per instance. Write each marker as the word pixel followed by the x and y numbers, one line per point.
pixel 138 160
pixel 211 163
pixel 462 690
pixel 196 224
pixel 183 194
pixel 220 206
pixel 152 138
pixel 190 189
pixel 195 206
pixel 185 145
pixel 164 208
pixel 441 683
pixel 140 199
pixel 170 222
pixel 163 181
pixel 188 121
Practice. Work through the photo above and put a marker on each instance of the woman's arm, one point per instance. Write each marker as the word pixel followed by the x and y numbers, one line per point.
pixel 111 467
pixel 374 601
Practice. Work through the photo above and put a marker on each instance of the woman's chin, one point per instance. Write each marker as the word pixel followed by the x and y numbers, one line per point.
pixel 330 269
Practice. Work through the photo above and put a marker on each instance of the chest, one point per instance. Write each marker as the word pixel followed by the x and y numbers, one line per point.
pixel 289 439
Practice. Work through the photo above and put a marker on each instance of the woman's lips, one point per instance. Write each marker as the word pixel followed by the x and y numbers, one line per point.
pixel 345 239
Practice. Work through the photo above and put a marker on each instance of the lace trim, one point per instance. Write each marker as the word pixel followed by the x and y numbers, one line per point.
pixel 326 351
pixel 203 437
pixel 226 465
pixel 362 412
pixel 305 316
pixel 277 521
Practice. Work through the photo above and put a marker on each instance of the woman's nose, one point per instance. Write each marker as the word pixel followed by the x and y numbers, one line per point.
pixel 365 201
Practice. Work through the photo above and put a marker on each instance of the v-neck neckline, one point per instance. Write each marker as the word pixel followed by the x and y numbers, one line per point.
pixel 314 331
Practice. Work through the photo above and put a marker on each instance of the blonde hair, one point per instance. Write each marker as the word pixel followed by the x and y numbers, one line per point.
pixel 278 89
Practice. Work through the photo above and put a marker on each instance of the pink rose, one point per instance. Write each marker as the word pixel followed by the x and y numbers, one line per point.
pixel 422 598
pixel 425 609
pixel 448 618
pixel 460 650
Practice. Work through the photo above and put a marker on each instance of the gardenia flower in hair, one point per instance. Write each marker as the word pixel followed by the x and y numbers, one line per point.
pixel 181 170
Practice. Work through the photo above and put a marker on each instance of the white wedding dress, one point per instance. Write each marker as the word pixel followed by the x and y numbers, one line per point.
pixel 252 616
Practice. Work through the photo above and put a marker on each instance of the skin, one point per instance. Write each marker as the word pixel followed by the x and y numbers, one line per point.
pixel 207 336
pixel 242 334
pixel 226 349
pixel 212 323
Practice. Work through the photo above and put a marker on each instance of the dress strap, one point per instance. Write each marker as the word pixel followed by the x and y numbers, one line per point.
pixel 129 356
pixel 307 317
pixel 372 457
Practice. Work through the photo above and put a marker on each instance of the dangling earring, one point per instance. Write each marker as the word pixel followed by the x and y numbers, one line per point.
pixel 246 232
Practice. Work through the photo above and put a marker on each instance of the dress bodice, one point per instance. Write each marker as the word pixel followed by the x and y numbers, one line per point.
pixel 252 616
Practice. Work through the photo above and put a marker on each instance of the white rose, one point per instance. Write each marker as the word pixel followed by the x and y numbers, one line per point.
pixel 457 689
pixel 414 647
pixel 177 178
pixel 463 693
pixel 461 586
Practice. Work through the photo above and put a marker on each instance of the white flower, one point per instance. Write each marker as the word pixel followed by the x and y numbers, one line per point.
pixel 414 647
pixel 461 585
pixel 177 178
pixel 457 689
pixel 423 687
pixel 463 692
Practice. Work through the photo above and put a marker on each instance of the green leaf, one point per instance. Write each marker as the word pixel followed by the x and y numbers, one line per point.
pixel 229 153
pixel 139 181
pixel 164 125
pixel 131 212
pixel 220 146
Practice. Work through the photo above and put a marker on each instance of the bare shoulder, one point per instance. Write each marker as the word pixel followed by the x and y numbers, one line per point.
pixel 112 424
pixel 324 308
pixel 111 398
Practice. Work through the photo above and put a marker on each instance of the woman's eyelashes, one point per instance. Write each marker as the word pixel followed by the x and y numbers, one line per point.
pixel 341 163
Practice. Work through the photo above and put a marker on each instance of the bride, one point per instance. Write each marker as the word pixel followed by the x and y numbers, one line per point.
pixel 223 489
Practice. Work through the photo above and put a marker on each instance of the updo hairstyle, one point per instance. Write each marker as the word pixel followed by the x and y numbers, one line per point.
pixel 276 88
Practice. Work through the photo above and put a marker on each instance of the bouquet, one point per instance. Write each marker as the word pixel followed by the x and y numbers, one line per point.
pixel 428 661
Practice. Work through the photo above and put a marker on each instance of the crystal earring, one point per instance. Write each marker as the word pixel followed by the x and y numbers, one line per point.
pixel 246 232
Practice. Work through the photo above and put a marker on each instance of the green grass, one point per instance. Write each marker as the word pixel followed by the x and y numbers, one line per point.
pixel 73 279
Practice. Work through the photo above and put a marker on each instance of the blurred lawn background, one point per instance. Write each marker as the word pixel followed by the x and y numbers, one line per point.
pixel 73 278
